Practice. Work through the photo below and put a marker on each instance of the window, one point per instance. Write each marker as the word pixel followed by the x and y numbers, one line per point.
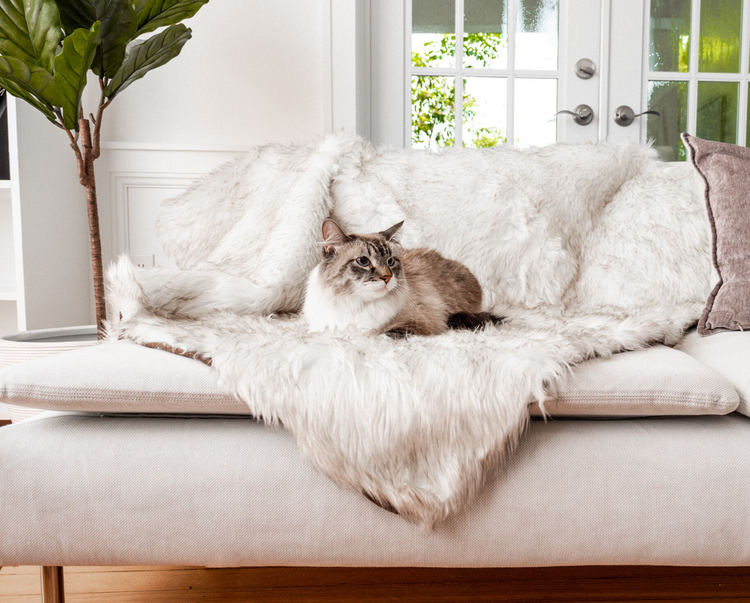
pixel 483 72
pixel 697 73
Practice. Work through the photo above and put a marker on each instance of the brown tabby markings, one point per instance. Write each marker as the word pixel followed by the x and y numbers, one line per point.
pixel 438 288
pixel 434 293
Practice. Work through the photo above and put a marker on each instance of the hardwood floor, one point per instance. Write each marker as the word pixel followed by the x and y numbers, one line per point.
pixel 575 584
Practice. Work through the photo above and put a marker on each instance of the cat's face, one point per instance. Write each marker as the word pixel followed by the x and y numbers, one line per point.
pixel 365 267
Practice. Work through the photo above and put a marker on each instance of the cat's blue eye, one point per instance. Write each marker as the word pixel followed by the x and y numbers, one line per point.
pixel 363 261
pixel 391 262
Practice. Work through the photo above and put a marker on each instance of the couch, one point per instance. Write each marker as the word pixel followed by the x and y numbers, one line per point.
pixel 641 458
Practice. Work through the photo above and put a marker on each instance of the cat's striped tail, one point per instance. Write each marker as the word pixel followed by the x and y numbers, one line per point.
pixel 473 321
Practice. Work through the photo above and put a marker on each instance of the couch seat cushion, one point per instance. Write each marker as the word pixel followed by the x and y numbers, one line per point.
pixel 117 377
pixel 728 354
pixel 654 381
pixel 88 490
pixel 122 377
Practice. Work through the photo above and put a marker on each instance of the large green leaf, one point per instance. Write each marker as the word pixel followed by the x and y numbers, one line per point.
pixel 30 31
pixel 35 85
pixel 143 56
pixel 119 23
pixel 153 14
pixel 71 70
pixel 76 15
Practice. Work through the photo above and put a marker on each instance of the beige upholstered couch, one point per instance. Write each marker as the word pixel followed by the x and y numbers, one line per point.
pixel 645 462
pixel 144 461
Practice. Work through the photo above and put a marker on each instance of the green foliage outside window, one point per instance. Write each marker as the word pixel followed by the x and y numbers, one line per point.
pixel 433 98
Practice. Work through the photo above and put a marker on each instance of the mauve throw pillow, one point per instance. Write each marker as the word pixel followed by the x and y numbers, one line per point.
pixel 725 168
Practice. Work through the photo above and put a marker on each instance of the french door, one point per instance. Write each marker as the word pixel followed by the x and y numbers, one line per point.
pixel 488 72
pixel 485 72
pixel 696 72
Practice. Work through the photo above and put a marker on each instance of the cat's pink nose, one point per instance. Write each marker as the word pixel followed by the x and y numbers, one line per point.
pixel 386 278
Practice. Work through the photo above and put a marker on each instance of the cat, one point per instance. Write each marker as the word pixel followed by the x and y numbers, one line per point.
pixel 370 283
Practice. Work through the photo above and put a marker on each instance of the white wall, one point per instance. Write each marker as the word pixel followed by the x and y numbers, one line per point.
pixel 252 73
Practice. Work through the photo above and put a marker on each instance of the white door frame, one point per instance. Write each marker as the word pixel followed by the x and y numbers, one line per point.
pixel 625 35
pixel 346 65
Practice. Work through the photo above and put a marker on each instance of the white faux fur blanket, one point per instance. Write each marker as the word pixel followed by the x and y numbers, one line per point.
pixel 589 249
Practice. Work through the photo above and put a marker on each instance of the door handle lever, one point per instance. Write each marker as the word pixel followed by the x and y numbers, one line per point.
pixel 624 115
pixel 582 114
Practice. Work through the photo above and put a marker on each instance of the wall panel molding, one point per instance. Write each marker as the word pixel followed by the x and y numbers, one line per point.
pixel 123 186
pixel 169 148
pixel 140 176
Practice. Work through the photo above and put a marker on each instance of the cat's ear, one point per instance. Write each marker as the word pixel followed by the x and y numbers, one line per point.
pixel 388 234
pixel 332 235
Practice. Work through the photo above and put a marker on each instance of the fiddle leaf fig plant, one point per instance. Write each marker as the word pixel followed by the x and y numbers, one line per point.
pixel 48 48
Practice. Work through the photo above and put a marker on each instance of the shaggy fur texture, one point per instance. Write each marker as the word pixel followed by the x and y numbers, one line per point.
pixel 588 249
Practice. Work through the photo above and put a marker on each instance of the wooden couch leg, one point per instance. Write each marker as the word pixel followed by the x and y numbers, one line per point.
pixel 53 589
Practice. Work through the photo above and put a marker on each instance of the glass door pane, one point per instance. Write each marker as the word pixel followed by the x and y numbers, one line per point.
pixel 480 69
pixel 717 111
pixel 433 29
pixel 485 34
pixel 669 40
pixel 432 108
pixel 721 26
pixel 535 99
pixel 485 115
pixel 670 99
pixel 536 34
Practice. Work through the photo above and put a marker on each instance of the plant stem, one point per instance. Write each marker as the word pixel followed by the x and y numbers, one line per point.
pixel 96 258
pixel 89 183
pixel 86 154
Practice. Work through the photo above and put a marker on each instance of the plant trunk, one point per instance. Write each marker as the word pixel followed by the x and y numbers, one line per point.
pixel 96 252
pixel 86 157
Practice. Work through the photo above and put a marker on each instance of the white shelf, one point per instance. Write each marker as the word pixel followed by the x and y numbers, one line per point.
pixel 8 294
pixel 4 184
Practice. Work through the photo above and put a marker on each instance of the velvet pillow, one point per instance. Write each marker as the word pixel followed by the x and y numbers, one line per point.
pixel 725 169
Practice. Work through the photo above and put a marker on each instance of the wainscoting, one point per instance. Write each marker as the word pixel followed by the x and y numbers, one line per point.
pixel 135 179
pixel 350 585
